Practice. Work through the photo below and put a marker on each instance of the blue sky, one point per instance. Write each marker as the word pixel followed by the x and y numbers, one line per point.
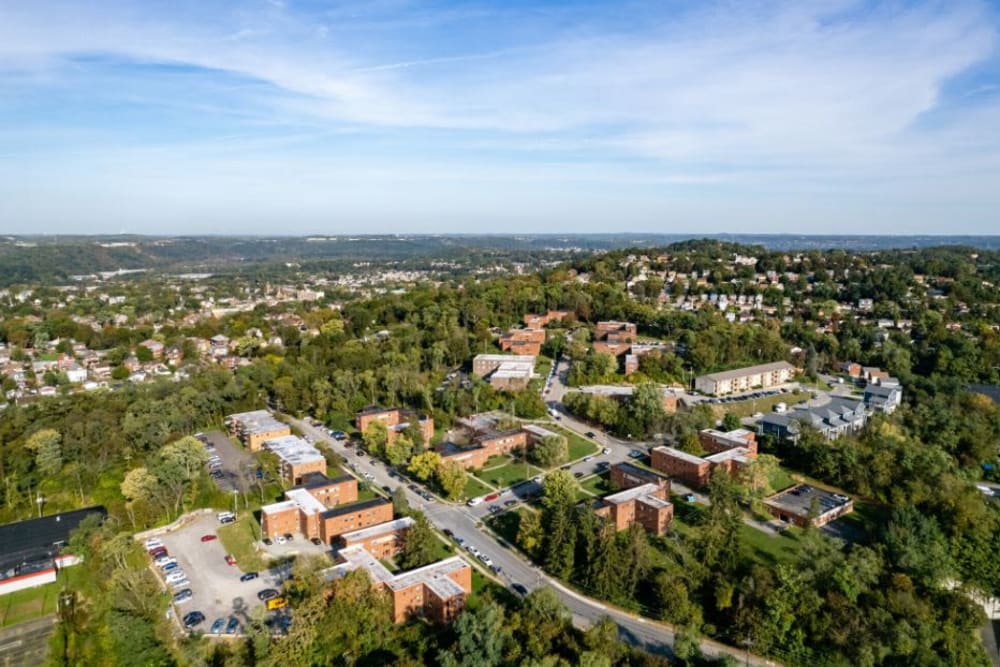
pixel 281 116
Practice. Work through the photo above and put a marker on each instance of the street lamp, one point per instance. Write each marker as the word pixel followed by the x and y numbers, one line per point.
pixel 41 501
pixel 236 495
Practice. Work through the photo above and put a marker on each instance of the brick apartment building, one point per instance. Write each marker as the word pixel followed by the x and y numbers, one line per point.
pixel 382 541
pixel 253 428
pixel 646 505
pixel 729 451
pixel 486 439
pixel 437 591
pixel 616 332
pixel 533 321
pixel 324 508
pixel 297 458
pixel 627 476
pixel 523 341
pixel 396 421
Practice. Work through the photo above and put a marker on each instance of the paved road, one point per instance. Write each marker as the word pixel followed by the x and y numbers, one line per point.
pixel 464 523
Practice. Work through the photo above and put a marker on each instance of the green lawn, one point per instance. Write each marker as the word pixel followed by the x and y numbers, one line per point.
pixel 578 445
pixel 780 480
pixel 497 461
pixel 597 484
pixel 238 538
pixel 768 549
pixel 508 475
pixel 474 488
pixel 31 603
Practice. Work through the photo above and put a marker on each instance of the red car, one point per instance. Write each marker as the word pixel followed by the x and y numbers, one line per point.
pixel 158 551
pixel 230 560
pixel 490 498
pixel 208 538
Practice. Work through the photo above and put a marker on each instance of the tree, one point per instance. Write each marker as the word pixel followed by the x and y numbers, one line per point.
pixel 559 490
pixel 550 451
pixel 47 447
pixel 916 544
pixel 451 478
pixel 422 466
pixel 419 544
pixel 731 422
pixel 544 619
pixel 400 505
pixel 399 451
pixel 375 437
pixel 755 476
pixel 530 535
pixel 480 638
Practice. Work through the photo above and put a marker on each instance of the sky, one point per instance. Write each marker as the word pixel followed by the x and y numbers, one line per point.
pixel 390 116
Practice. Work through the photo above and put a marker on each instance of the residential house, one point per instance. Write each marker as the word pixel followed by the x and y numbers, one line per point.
pixel 839 417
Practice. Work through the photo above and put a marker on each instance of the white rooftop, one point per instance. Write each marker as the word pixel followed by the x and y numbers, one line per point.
pixel 513 358
pixel 380 529
pixel 282 506
pixel 632 494
pixel 305 501
pixel 434 576
pixel 684 456
pixel 293 449
pixel 257 421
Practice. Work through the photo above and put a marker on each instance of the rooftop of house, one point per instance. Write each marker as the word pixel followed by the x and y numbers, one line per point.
pixel 749 370
pixel 799 500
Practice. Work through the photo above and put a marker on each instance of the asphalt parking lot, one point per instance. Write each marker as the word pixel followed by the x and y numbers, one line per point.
pixel 218 591
pixel 235 461
pixel 300 546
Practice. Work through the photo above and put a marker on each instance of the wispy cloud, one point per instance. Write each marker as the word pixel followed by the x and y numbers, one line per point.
pixel 753 99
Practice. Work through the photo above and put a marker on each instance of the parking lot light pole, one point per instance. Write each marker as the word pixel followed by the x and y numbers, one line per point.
pixel 236 495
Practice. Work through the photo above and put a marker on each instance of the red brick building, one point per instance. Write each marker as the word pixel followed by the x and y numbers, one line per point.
pixel 396 421
pixel 486 440
pixel 729 451
pixel 646 505
pixel 323 510
pixel 382 541
pixel 714 442
pixel 523 341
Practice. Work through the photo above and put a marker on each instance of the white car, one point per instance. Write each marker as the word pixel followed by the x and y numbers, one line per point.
pixel 165 561
pixel 176 575
pixel 280 539
pixel 179 584
pixel 153 543
pixel 606 450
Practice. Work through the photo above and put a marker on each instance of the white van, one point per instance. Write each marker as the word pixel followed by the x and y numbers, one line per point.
pixel 226 517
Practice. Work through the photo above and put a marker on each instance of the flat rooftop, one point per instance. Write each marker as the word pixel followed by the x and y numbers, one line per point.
pixel 631 494
pixel 513 358
pixel 380 529
pixel 749 370
pixel 293 449
pixel 306 501
pixel 281 506
pixel 355 507
pixel 678 454
pixel 799 500
pixel 434 576
pixel 257 421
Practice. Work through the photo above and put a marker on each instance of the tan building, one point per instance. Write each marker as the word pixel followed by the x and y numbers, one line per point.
pixel 437 591
pixel 745 379
pixel 396 421
pixel 646 505
pixel 253 428
pixel 297 458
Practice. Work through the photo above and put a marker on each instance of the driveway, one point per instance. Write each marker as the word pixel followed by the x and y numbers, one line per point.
pixel 218 591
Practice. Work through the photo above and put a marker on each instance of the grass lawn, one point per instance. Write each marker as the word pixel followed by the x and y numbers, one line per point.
pixel 597 484
pixel 747 408
pixel 238 538
pixel 497 461
pixel 768 549
pixel 366 492
pixel 508 475
pixel 780 480
pixel 578 445
pixel 31 603
pixel 474 488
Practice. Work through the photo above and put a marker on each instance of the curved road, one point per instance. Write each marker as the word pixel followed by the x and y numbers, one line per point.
pixel 465 522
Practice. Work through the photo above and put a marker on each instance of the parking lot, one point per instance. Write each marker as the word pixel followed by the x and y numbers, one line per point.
pixel 235 462
pixel 218 591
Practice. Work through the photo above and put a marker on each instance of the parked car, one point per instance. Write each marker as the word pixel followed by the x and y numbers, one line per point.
pixel 217 625
pixel 175 575
pixel 180 583
pixel 169 565
pixel 232 625
pixel 208 538
pixel 578 474
pixel 193 618
pixel 280 539
pixel 183 596
pixel 289 537
pixel 230 560
pixel 688 497
pixel 267 594
pixel 606 450
pixel 316 541
pixel 591 434
pixel 490 498
pixel 153 543
pixel 520 589
pixel 249 576
pixel 267 541
pixel 158 551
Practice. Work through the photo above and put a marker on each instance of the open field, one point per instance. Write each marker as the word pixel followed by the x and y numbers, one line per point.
pixel 579 446
pixel 474 488
pixel 238 538
pixel 509 474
